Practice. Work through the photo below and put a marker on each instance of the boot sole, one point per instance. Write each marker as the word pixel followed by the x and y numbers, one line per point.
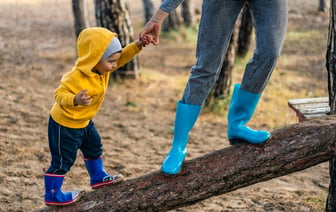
pixel 239 141
pixel 117 180
pixel 170 175
pixel 63 204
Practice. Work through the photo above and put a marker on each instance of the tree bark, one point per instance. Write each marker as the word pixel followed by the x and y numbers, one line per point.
pixel 188 13
pixel 331 58
pixel 291 149
pixel 148 9
pixel 322 6
pixel 115 16
pixel 79 9
pixel 331 200
pixel 173 21
pixel 330 65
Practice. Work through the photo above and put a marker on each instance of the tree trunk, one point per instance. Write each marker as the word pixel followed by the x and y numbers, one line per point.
pixel 331 58
pixel 79 9
pixel 148 9
pixel 245 32
pixel 291 149
pixel 322 6
pixel 331 200
pixel 188 13
pixel 114 15
pixel 331 62
pixel 174 21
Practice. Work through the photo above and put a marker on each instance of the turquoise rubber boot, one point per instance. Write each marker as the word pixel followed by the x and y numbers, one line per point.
pixel 241 110
pixel 186 116
pixel 54 196
pixel 98 176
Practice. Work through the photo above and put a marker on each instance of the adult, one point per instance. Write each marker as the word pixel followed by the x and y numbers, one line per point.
pixel 217 21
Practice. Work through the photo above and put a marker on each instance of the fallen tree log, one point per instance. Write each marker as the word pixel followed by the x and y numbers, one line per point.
pixel 291 149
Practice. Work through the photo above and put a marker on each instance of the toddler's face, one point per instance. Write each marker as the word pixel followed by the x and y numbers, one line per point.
pixel 109 64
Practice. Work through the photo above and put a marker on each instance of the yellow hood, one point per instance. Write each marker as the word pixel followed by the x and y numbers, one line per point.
pixel 91 45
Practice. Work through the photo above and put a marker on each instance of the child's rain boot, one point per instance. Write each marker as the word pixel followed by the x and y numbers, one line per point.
pixel 54 196
pixel 98 176
pixel 186 116
pixel 241 110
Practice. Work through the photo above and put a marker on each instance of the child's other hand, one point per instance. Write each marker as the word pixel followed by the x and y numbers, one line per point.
pixel 82 99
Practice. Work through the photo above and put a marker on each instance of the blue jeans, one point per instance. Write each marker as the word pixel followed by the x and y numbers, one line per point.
pixel 65 142
pixel 216 25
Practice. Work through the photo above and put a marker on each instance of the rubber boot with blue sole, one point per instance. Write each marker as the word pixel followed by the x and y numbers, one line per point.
pixel 54 196
pixel 98 176
pixel 242 107
pixel 186 116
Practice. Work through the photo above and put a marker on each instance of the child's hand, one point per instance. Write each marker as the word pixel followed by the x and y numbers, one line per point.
pixel 145 40
pixel 82 99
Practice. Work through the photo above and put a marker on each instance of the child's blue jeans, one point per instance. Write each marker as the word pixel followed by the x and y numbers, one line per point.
pixel 216 25
pixel 64 143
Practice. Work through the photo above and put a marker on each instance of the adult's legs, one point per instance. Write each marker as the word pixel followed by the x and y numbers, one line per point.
pixel 217 21
pixel 216 25
pixel 270 23
pixel 270 19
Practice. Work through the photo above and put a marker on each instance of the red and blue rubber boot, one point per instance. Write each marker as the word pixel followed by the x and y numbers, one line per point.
pixel 54 196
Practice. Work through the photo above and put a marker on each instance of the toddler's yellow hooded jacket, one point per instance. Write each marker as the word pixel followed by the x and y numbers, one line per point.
pixel 91 45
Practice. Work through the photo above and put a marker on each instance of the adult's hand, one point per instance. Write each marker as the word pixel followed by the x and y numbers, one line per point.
pixel 153 27
pixel 151 30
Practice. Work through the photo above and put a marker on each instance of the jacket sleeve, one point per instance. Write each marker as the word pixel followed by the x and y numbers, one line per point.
pixel 130 51
pixel 63 94
pixel 170 5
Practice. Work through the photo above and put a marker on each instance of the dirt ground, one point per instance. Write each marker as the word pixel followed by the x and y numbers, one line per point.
pixel 38 46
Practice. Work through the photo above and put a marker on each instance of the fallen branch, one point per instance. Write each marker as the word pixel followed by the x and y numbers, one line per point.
pixel 290 149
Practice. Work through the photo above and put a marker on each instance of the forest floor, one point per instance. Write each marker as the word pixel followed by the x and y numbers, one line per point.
pixel 37 46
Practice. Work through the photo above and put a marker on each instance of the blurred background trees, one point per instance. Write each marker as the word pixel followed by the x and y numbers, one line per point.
pixel 79 9
pixel 115 16
pixel 148 6
pixel 322 5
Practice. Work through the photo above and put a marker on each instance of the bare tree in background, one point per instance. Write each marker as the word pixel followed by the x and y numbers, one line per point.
pixel 245 31
pixel 188 13
pixel 331 68
pixel 79 9
pixel 322 6
pixel 174 21
pixel 148 9
pixel 115 16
